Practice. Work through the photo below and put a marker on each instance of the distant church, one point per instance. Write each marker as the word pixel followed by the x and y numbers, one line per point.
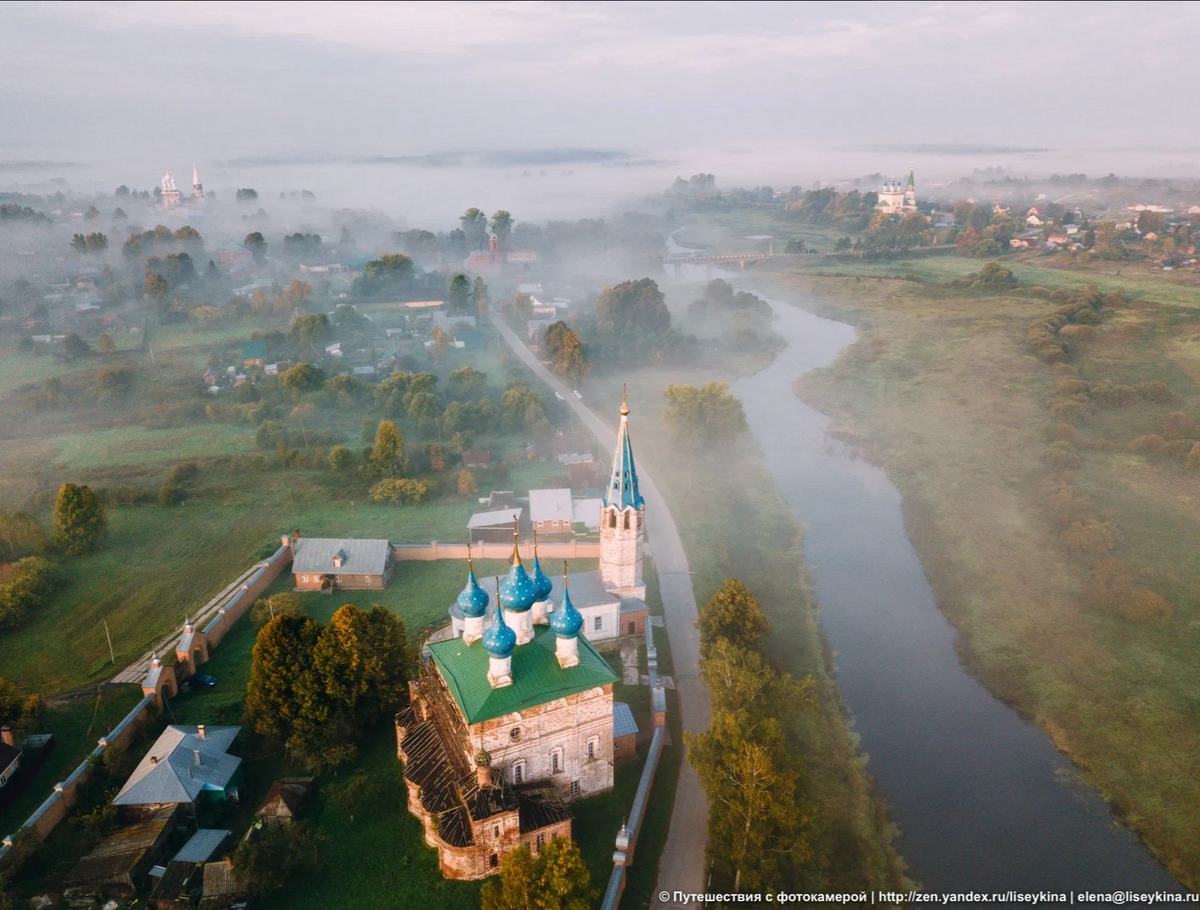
pixel 897 200
pixel 171 197
pixel 512 715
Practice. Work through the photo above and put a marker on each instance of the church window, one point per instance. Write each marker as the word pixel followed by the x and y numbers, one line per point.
pixel 494 860
pixel 626 521
pixel 519 773
pixel 556 761
pixel 591 749
pixel 496 832
pixel 574 788
pixel 541 842
pixel 598 624
pixel 612 519
pixel 514 734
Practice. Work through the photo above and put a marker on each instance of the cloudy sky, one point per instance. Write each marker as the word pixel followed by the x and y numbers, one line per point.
pixel 223 80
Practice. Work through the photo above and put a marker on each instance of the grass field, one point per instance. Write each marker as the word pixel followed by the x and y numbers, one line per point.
pixel 941 390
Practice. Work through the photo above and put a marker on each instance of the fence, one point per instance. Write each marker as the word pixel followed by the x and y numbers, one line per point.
pixel 59 803
pixel 235 608
pixel 419 552
pixel 627 837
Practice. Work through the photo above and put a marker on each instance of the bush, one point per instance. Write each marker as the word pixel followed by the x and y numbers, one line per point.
pixel 26 586
pixel 1091 538
pixel 1146 606
pixel 183 472
pixel 169 495
pixel 1150 444
pixel 1109 586
pixel 398 491
pixel 1061 455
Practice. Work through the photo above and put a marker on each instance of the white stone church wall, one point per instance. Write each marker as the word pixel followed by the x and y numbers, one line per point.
pixel 565 726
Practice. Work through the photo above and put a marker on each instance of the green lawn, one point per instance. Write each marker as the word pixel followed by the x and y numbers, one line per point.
pixel 77 727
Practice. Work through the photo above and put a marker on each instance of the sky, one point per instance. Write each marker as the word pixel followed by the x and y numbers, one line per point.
pixel 219 82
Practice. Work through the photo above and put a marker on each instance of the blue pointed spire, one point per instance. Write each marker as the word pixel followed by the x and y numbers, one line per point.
pixel 472 600
pixel 566 621
pixel 518 589
pixel 622 489
pixel 499 640
pixel 541 582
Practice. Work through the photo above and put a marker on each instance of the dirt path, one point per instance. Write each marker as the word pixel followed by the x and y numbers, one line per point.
pixel 682 866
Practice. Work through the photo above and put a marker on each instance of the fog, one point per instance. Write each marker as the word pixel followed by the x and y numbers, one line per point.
pixel 624 95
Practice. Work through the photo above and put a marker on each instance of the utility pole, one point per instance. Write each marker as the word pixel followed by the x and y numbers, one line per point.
pixel 111 656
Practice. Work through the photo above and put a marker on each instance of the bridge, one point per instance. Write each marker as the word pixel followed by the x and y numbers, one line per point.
pixel 711 259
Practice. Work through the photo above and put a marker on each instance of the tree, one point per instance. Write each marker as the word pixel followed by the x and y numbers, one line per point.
pixel 705 416
pixel 732 614
pixel 502 223
pixel 466 483
pixel 366 430
pixel 20 535
pixel 341 459
pixel 632 307
pixel 475 227
pixel 458 298
pixel 267 861
pixel 390 273
pixel 556 879
pixel 566 351
pixel 91 243
pixel 105 345
pixel 387 455
pixel 302 378
pixel 79 520
pixel 282 690
pixel 297 292
pixel 285 603
pixel 466 384
pixel 246 194
pixel 481 294
pixel 155 287
pixel 255 243
pixel 398 491
pixel 439 342
pixel 310 329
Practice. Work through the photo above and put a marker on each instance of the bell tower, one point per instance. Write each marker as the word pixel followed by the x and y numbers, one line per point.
pixel 622 520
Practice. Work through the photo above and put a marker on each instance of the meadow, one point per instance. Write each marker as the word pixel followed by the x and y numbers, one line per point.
pixel 941 389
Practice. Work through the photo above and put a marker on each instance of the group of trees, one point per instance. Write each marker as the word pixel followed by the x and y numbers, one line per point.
pixel 317 688
pixel 565 351
pixel 758 820
pixel 704 418
pixel 556 879
pixel 28 581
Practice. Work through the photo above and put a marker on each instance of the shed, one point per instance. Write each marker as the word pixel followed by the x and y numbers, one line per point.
pixel 202 845
pixel 492 526
pixel 477 458
pixel 254 354
pixel 122 861
pixel 625 731
pixel 284 800
pixel 221 886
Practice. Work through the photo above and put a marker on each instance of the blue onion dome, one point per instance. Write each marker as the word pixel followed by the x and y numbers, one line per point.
pixel 541 582
pixel 499 640
pixel 517 589
pixel 473 600
pixel 566 621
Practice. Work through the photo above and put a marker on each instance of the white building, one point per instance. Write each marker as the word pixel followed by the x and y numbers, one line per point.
pixel 897 200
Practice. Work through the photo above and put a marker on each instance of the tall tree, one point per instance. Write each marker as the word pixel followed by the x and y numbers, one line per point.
pixel 302 378
pixel 256 244
pixel 458 299
pixel 466 384
pixel 566 351
pixel 734 614
pixel 633 307
pixel 556 879
pixel 475 227
pixel 282 679
pixel 502 223
pixel 79 520
pixel 387 456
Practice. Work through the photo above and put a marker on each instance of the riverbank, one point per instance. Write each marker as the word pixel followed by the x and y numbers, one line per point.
pixel 942 393
pixel 735 524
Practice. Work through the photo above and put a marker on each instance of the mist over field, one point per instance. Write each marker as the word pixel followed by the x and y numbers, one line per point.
pixel 897 303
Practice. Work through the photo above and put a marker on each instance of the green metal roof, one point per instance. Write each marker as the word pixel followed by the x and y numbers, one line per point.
pixel 537 677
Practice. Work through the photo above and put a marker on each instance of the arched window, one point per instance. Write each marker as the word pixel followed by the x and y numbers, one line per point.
pixel 556 761
pixel 592 747
pixel 626 521
pixel 612 519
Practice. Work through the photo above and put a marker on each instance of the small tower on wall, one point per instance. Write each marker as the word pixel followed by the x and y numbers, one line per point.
pixel 197 186
pixel 622 520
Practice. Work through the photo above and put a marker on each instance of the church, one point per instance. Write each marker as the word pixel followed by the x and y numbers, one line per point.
pixel 897 200
pixel 511 717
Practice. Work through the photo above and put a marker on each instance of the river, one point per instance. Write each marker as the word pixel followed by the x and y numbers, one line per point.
pixel 982 798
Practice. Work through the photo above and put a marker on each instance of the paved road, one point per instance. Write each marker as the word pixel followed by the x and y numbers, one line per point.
pixel 682 867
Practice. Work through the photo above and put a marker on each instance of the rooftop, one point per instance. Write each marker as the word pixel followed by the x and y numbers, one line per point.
pixel 358 557
pixel 550 505
pixel 537 676
pixel 181 764
pixel 623 722
pixel 495 518
pixel 202 845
